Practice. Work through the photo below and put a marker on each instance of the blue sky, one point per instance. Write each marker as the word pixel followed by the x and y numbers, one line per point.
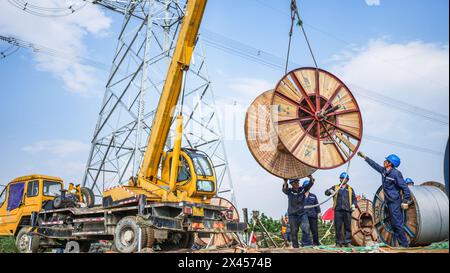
pixel 399 49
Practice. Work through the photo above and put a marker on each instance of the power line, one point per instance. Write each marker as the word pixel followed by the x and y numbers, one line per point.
pixel 8 51
pixel 403 145
pixel 330 35
pixel 54 11
pixel 36 48
pixel 247 52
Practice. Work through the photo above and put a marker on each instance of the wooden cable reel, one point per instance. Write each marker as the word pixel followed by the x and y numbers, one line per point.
pixel 363 224
pixel 426 221
pixel 309 121
pixel 221 239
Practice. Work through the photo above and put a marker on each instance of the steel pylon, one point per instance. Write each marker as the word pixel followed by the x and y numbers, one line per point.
pixel 144 50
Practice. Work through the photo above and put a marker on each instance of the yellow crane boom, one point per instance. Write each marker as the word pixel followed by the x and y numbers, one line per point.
pixel 171 92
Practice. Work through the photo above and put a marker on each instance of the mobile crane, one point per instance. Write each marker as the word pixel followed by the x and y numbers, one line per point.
pixel 151 210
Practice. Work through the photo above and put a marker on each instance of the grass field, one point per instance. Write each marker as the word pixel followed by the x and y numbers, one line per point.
pixel 7 245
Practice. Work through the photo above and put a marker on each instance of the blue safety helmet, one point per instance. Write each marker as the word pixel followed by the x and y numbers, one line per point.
pixel 395 160
pixel 305 184
pixel 344 176
pixel 409 181
pixel 292 181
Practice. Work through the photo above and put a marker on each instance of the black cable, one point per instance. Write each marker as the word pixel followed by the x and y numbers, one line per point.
pixel 288 55
pixel 295 10
pixel 42 11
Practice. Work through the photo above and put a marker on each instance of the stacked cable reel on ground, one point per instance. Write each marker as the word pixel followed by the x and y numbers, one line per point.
pixel 221 239
pixel 310 121
pixel 426 220
pixel 363 224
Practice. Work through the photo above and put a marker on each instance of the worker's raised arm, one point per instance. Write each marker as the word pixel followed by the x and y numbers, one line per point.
pixel 372 163
pixel 285 187
pixel 310 184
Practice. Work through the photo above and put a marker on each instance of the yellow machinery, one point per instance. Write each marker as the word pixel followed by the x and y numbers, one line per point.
pixel 198 185
pixel 28 194
pixel 166 203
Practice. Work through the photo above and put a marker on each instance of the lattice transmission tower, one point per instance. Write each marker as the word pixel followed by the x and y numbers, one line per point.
pixel 144 50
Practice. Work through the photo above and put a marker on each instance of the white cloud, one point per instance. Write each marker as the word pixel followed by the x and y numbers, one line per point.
pixel 416 73
pixel 59 148
pixel 399 69
pixel 64 34
pixel 248 89
pixel 373 2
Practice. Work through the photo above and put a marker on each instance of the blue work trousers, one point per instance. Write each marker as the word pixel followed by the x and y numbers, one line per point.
pixel 300 222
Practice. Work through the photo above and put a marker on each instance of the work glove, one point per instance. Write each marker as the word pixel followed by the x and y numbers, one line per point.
pixel 406 204
pixel 353 208
pixel 361 154
pixel 329 192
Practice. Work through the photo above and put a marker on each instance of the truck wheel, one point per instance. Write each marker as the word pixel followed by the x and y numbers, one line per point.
pixel 126 235
pixel 57 202
pixel 23 241
pixel 72 247
pixel 88 197
pixel 85 246
pixel 77 247
pixel 187 241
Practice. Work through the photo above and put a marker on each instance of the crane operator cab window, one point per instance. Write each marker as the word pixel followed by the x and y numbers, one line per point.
pixel 184 173
pixel 204 171
pixel 52 188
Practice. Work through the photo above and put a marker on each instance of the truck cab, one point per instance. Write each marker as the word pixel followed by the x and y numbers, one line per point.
pixel 23 196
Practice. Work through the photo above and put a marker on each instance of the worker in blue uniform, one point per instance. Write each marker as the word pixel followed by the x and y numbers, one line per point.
pixel 298 219
pixel 345 203
pixel 394 188
pixel 313 213
pixel 409 182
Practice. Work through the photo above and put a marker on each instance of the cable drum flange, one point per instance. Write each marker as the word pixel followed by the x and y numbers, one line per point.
pixel 363 224
pixel 310 121
pixel 426 220
pixel 264 144
pixel 317 118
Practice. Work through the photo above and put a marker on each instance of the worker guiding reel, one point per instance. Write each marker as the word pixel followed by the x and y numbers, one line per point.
pixel 310 121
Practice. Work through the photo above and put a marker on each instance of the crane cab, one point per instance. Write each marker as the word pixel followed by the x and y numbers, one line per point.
pixel 196 174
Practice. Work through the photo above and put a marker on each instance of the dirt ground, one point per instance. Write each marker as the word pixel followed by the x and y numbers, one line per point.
pixel 381 249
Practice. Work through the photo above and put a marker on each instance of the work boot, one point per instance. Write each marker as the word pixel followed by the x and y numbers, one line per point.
pixel 339 246
pixel 349 245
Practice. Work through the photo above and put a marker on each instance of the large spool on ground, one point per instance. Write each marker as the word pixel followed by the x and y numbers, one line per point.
pixel 363 224
pixel 309 121
pixel 426 220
